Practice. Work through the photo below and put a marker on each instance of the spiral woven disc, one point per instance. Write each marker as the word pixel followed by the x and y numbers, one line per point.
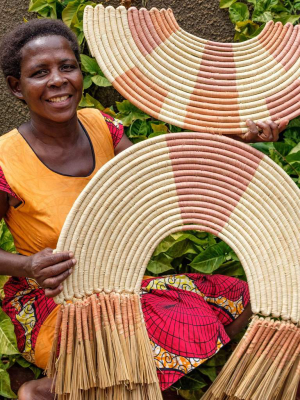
pixel 191 82
pixel 180 182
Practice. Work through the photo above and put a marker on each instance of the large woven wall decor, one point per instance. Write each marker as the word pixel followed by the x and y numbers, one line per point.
pixel 160 186
pixel 194 83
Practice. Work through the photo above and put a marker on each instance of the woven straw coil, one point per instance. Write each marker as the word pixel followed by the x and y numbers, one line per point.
pixel 194 83
pixel 160 186
pixel 180 182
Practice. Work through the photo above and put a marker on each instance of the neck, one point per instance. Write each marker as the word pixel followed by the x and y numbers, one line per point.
pixel 55 133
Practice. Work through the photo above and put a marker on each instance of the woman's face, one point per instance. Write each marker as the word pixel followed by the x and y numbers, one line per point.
pixel 51 80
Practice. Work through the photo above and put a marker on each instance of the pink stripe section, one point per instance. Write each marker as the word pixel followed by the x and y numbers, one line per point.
pixel 211 176
pixel 285 102
pixel 217 89
pixel 283 44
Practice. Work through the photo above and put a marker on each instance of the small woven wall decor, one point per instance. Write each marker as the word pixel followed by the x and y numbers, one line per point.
pixel 194 83
pixel 171 183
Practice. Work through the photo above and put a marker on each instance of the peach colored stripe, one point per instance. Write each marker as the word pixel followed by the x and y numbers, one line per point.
pixel 171 19
pixel 158 24
pixel 216 91
pixel 130 95
pixel 153 96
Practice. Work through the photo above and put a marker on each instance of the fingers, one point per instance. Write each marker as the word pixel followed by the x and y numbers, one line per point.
pixel 283 124
pixel 49 258
pixel 252 134
pixel 53 292
pixel 264 131
pixel 54 281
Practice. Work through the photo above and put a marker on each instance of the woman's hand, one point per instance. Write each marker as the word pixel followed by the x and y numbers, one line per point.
pixel 267 131
pixel 50 269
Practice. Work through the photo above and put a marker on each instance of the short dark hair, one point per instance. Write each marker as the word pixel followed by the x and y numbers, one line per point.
pixel 12 43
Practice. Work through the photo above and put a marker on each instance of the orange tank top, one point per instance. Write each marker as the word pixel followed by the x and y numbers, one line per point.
pixel 47 196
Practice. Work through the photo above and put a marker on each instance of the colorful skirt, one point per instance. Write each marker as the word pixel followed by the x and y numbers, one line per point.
pixel 185 317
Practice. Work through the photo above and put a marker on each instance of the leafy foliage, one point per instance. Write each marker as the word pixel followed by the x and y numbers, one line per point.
pixel 250 16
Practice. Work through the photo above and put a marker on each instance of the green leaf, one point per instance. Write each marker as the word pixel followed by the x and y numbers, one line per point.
pixel 138 128
pixel 87 81
pixel 101 81
pixel 26 364
pixel 264 147
pixel 211 259
pixel 293 157
pixel 128 113
pixel 282 148
pixel 218 360
pixel 90 65
pixel 232 268
pixel 284 19
pixel 89 101
pixel 174 129
pixel 211 372
pixel 160 264
pixel 238 12
pixel 6 239
pixel 8 341
pixel 264 17
pixel 226 3
pixel 158 129
pixel 69 14
pixel 5 389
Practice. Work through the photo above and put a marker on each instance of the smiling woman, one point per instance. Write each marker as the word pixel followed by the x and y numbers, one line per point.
pixel 44 165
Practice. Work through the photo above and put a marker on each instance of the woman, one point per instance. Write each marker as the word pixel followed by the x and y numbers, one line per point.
pixel 44 165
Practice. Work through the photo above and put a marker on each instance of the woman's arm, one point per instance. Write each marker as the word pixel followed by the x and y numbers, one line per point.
pixel 48 269
pixel 123 144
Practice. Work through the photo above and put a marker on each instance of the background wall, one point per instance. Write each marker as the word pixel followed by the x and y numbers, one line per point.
pixel 199 17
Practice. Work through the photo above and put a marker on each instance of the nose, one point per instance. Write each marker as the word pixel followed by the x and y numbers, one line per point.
pixel 56 79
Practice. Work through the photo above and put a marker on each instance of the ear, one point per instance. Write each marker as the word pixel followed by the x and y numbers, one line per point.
pixel 15 87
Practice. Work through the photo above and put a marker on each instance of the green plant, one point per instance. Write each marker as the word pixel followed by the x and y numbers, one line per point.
pixel 250 16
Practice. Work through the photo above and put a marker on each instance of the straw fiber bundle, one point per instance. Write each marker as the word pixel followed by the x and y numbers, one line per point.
pixel 194 83
pixel 168 184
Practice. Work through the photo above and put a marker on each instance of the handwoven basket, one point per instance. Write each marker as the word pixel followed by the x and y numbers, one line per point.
pixel 160 186
pixel 194 83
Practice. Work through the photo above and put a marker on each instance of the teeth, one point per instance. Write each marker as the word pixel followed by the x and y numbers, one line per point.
pixel 58 99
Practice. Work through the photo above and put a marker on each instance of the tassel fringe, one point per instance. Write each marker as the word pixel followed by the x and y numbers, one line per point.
pixel 104 351
pixel 264 366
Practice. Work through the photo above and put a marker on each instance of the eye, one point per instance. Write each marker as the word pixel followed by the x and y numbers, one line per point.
pixel 68 67
pixel 40 72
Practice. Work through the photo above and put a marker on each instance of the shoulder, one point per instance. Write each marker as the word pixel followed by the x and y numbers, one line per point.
pixel 8 141
pixel 115 126
pixel 7 136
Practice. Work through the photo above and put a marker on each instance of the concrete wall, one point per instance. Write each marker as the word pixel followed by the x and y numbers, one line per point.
pixel 200 17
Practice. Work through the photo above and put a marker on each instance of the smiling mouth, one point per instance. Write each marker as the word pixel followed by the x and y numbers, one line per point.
pixel 59 99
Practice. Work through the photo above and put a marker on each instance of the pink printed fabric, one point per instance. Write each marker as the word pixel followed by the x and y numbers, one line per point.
pixel 116 129
pixel 4 186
